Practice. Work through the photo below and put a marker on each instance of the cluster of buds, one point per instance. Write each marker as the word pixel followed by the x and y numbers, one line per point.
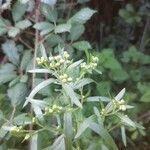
pixel 41 61
pixel 103 112
pixel 57 61
pixel 92 65
pixel 65 78
pixel 54 61
pixel 121 105
pixel 54 109
pixel 16 129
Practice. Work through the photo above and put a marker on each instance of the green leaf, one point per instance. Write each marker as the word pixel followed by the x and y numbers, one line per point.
pixel 17 93
pixel 43 51
pixel 62 28
pixel 74 65
pixel 18 10
pixel 14 81
pixel 126 120
pixel 3 27
pixel 25 59
pixel 82 16
pixel 79 84
pixel 98 99
pixel 44 27
pixel 7 73
pixel 104 134
pixel 22 119
pixel 119 75
pixel 83 126
pixel 7 68
pixel 59 144
pixel 38 88
pixel 76 31
pixel 146 97
pixel 120 94
pixel 24 78
pixel 68 130
pixel 123 135
pixel 23 24
pixel 82 45
pixel 46 91
pixel 100 129
pixel 34 142
pixel 11 51
pixel 13 32
pixel 70 92
pixel 50 13
pixel 39 71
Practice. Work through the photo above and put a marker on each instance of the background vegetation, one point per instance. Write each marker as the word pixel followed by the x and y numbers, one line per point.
pixel 116 31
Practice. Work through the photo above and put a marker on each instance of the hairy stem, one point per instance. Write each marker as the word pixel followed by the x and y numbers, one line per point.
pixel 37 14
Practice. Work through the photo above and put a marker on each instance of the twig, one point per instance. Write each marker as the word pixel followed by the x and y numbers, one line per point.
pixel 12 115
pixel 37 14
pixel 26 44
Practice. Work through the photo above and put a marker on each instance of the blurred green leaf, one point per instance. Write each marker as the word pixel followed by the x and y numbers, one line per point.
pixel 11 51
pixel 17 93
pixel 82 16
pixel 82 45
pixel 62 28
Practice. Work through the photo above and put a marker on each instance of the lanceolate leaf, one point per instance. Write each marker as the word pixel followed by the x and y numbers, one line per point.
pixel 68 130
pixel 98 99
pixel 75 64
pixel 126 120
pixel 104 134
pixel 100 129
pixel 38 88
pixel 123 135
pixel 82 83
pixel 69 91
pixel 83 126
pixel 120 95
pixel 59 144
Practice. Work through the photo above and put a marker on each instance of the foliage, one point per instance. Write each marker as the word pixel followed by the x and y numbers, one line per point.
pixel 48 73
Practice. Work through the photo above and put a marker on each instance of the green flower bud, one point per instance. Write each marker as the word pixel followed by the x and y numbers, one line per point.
pixel 62 61
pixel 51 58
pixel 69 79
pixel 50 110
pixel 66 55
pixel 65 76
pixel 64 80
pixel 57 64
pixel 27 137
pixel 122 107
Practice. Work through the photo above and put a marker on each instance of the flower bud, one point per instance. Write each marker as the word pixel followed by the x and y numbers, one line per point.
pixel 64 80
pixel 66 55
pixel 69 79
